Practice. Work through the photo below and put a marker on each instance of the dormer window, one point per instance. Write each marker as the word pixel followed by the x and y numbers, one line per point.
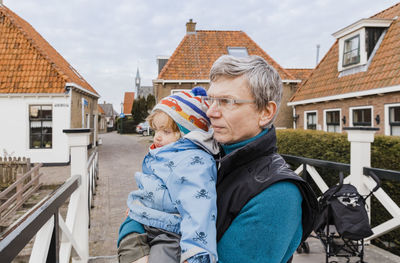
pixel 238 52
pixel 358 44
pixel 351 52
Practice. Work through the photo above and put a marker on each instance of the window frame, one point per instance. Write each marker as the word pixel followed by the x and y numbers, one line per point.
pixel 350 51
pixel 306 119
pixel 351 111
pixel 229 49
pixel 388 127
pixel 41 120
pixel 340 118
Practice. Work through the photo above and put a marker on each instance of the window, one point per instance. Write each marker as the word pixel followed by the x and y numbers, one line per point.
pixel 311 121
pixel 333 121
pixel 394 120
pixel 362 117
pixel 351 53
pixel 41 126
pixel 238 51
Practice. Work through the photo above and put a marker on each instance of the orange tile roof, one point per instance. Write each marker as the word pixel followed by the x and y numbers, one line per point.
pixel 100 109
pixel 300 73
pixel 128 102
pixel 383 71
pixel 28 63
pixel 196 53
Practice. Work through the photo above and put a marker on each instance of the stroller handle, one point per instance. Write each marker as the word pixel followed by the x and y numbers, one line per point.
pixel 376 179
pixel 340 185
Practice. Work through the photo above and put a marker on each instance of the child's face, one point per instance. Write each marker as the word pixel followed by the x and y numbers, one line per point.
pixel 163 134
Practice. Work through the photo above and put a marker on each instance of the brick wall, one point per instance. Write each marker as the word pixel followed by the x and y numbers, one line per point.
pixel 76 110
pixel 377 101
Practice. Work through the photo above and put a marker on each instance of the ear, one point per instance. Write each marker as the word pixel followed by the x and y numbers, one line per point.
pixel 267 114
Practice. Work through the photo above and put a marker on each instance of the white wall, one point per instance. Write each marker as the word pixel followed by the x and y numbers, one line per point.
pixel 14 127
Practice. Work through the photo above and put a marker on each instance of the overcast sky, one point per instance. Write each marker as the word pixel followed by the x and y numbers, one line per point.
pixel 106 41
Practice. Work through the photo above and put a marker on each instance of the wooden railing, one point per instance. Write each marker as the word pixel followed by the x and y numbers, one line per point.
pixel 55 237
pixel 14 196
pixel 10 166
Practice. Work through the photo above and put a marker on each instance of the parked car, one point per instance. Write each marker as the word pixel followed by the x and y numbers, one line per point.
pixel 144 128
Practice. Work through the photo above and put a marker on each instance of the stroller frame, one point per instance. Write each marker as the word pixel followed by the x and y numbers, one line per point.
pixel 334 244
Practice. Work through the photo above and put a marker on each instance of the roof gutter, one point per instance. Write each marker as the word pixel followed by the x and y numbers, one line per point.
pixel 347 95
pixel 76 86
pixel 180 81
pixel 9 95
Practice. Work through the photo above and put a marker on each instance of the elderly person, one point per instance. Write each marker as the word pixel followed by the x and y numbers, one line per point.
pixel 264 209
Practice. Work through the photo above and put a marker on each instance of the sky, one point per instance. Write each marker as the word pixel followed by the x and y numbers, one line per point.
pixel 107 41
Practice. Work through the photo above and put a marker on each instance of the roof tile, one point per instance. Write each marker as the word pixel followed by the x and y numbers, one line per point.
pixel 28 61
pixel 383 71
pixel 196 53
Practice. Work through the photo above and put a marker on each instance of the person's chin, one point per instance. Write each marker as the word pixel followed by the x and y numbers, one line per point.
pixel 221 138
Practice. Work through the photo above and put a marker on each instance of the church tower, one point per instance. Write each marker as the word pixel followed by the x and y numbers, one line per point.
pixel 137 83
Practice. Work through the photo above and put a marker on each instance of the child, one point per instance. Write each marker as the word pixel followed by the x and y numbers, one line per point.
pixel 176 200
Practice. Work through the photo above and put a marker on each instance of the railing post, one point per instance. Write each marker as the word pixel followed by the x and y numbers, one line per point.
pixel 360 139
pixel 78 140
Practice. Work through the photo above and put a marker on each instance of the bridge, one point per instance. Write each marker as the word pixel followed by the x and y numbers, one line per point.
pixel 89 229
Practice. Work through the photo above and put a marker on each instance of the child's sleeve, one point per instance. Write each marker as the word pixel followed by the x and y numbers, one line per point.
pixel 192 189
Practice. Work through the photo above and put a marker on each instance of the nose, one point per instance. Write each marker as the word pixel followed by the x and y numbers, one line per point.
pixel 213 111
pixel 157 136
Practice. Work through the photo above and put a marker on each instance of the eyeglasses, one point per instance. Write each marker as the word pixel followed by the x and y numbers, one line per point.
pixel 227 103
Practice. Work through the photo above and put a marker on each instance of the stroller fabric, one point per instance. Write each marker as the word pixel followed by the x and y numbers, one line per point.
pixel 343 207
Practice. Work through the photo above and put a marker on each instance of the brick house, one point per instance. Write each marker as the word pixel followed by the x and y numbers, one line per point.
pixel 129 97
pixel 40 94
pixel 357 83
pixel 110 115
pixel 102 121
pixel 190 64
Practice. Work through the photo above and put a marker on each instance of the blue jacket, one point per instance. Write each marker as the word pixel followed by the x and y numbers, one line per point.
pixel 177 193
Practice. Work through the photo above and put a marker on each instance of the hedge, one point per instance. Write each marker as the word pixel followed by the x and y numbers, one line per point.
pixel 385 154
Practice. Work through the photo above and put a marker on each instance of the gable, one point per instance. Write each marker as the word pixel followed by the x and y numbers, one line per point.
pixel 383 72
pixel 194 56
pixel 28 63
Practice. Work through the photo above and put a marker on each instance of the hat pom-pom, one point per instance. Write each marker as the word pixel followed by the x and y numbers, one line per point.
pixel 199 91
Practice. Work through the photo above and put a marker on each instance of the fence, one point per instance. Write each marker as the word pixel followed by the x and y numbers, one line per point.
pixel 55 237
pixel 18 192
pixel 9 168
pixel 360 172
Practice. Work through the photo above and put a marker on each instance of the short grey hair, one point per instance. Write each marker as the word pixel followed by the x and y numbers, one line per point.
pixel 264 81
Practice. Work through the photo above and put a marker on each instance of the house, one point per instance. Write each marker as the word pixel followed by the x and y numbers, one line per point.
pixel 110 115
pixel 129 97
pixel 41 94
pixel 357 83
pixel 190 64
pixel 102 121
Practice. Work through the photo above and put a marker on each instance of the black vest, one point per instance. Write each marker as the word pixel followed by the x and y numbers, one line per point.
pixel 248 171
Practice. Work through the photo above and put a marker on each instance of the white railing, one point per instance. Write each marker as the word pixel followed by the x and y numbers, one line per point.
pixel 74 231
pixel 93 171
pixel 360 157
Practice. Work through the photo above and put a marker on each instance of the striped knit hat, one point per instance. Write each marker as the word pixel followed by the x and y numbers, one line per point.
pixel 186 109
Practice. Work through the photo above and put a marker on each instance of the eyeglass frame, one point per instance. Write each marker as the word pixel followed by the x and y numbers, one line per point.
pixel 230 101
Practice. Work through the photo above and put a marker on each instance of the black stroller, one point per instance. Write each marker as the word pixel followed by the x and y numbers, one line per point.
pixel 342 222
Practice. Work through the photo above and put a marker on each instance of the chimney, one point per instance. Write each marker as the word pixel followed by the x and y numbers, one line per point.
pixel 190 27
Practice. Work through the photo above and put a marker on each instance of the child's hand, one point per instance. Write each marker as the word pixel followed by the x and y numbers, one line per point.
pixel 127 212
